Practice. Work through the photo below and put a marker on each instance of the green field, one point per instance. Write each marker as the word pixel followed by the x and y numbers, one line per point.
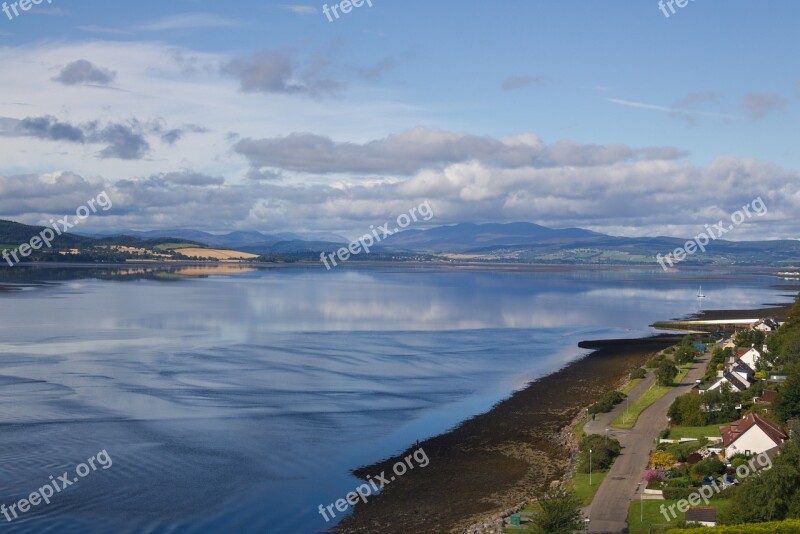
pixel 627 419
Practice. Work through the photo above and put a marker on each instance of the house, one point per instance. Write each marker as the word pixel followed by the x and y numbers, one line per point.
pixel 749 357
pixel 752 434
pixel 730 344
pixel 702 515
pixel 767 397
pixel 737 379
pixel 765 325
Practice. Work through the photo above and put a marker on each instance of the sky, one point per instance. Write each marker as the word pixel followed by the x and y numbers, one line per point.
pixel 268 116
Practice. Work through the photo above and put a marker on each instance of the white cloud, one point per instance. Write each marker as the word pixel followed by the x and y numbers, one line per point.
pixel 186 21
pixel 301 9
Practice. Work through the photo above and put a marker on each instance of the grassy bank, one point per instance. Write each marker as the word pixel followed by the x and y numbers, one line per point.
pixel 627 419
pixel 579 483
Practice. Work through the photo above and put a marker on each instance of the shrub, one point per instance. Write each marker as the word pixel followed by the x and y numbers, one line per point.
pixel 662 460
pixel 604 451
pixel 607 402
pixel 652 474
pixel 681 451
pixel 671 493
pixel 708 467
pixel 790 526
pixel 678 482
pixel 653 363
pixel 736 462
pixel 639 373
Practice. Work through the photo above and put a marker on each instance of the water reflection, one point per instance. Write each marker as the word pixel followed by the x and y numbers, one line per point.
pixel 237 399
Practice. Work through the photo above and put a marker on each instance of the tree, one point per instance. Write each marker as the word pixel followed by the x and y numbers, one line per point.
pixel 560 513
pixel 787 405
pixel 666 373
pixel 720 405
pixel 771 496
pixel 686 410
pixel 604 451
pixel 684 354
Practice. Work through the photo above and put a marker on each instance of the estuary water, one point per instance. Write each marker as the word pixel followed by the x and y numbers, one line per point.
pixel 238 400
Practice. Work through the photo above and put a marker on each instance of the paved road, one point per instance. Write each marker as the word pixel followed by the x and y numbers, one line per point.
pixel 609 509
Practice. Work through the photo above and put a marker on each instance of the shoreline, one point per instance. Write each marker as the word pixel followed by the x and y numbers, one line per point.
pixel 494 461
pixel 498 459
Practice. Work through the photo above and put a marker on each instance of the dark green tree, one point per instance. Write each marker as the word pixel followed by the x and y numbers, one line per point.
pixel 686 410
pixel 770 496
pixel 560 513
pixel 604 450
pixel 787 405
pixel 666 373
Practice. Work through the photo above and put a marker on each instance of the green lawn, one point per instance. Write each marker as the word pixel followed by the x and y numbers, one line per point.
pixel 654 521
pixel 579 483
pixel 697 432
pixel 627 419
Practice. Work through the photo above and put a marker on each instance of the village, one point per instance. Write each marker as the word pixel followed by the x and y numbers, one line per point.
pixel 702 435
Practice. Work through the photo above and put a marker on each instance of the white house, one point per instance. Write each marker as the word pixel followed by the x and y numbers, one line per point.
pixel 752 434
pixel 749 357
pixel 765 325
pixel 737 377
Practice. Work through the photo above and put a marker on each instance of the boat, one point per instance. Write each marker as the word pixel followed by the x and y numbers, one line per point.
pixel 700 293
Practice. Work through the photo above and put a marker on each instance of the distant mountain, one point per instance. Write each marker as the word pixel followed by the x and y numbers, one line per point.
pixel 467 236
pixel 531 243
pixel 513 242
pixel 239 240
pixel 14 234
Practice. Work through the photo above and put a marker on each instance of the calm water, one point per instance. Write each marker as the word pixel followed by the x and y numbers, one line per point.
pixel 240 401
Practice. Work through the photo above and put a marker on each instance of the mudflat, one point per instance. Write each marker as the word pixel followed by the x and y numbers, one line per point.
pixel 502 457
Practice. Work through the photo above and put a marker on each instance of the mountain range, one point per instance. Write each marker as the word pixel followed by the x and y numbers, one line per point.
pixel 514 242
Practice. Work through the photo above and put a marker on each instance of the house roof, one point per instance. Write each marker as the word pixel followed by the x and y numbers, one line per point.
pixel 701 513
pixel 768 396
pixel 735 380
pixel 742 367
pixel 737 429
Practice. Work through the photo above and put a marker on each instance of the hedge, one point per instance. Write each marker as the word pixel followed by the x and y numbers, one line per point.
pixel 790 526
pixel 675 494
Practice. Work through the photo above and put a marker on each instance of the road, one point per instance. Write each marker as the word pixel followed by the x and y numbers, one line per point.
pixel 609 509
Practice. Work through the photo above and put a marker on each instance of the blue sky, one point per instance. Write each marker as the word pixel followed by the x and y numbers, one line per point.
pixel 603 115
